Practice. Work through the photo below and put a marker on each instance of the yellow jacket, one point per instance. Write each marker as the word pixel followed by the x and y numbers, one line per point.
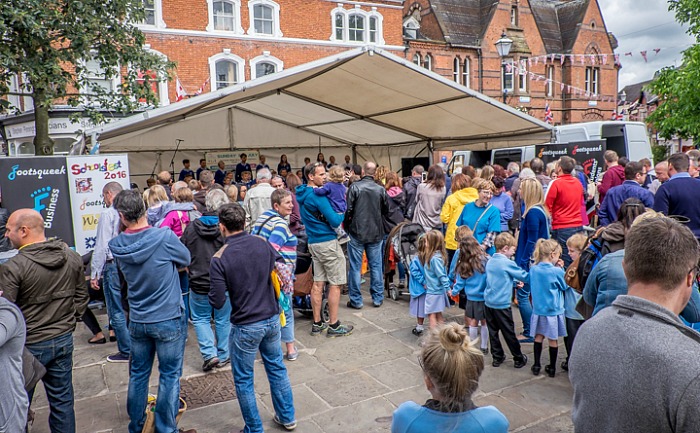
pixel 451 211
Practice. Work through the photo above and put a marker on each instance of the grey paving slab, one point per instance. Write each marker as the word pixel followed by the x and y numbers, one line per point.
pixel 417 393
pixel 348 388
pixel 396 374
pixel 306 402
pixel 350 353
pixel 517 415
pixel 557 424
pixel 493 379
pixel 97 414
pixel 217 418
pixel 367 416
pixel 544 396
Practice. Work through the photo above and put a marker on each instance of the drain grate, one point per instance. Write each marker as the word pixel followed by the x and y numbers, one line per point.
pixel 208 389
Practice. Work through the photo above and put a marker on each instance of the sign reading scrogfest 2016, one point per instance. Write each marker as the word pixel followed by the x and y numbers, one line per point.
pixel 39 183
pixel 87 175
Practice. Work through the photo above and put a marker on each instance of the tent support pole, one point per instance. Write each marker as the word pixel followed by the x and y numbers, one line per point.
pixel 431 147
pixel 231 143
pixel 354 154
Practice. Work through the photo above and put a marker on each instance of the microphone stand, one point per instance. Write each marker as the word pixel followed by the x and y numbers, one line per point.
pixel 172 161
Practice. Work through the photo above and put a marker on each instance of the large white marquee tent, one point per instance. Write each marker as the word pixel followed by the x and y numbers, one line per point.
pixel 364 100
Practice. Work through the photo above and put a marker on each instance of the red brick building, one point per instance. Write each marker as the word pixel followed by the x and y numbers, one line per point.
pixel 555 43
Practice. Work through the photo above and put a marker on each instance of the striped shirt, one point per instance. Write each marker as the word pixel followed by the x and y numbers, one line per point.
pixel 275 229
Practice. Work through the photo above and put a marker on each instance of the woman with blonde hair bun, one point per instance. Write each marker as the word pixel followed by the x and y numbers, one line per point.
pixel 451 367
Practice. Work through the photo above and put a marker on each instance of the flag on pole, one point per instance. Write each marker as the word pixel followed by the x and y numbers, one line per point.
pixel 179 90
pixel 548 118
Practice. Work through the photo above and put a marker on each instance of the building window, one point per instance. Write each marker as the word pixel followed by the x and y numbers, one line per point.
pixel 507 75
pixel 522 75
pixel 465 73
pixel 514 16
pixel 356 28
pixel 14 88
pixel 159 87
pixel 549 84
pixel 455 70
pixel 96 77
pixel 410 27
pixel 356 25
pixel 428 62
pixel 153 14
pixel 265 65
pixel 417 59
pixel 592 75
pixel 264 18
pixel 225 70
pixel 225 16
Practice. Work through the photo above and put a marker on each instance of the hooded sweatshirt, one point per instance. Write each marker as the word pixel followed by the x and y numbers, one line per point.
pixel 202 238
pixel 149 260
pixel 614 176
pixel 46 281
pixel 451 211
pixel 318 216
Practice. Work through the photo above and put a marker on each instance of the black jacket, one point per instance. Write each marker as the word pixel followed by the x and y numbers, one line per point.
pixel 5 244
pixel 395 214
pixel 203 238
pixel 410 186
pixel 367 202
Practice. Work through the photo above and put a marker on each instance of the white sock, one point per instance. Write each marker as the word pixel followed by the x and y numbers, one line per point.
pixel 473 333
pixel 484 337
pixel 419 327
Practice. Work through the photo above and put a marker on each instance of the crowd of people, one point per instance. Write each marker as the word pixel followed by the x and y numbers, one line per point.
pixel 221 248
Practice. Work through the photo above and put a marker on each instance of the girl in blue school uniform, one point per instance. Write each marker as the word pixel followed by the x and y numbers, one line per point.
pixel 470 278
pixel 433 257
pixel 416 287
pixel 548 287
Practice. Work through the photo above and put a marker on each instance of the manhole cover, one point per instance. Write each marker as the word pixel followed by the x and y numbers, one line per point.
pixel 208 389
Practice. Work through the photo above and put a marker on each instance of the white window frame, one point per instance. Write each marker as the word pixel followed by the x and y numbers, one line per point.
pixel 346 13
pixel 237 26
pixel 456 75
pixel 592 79
pixel 14 100
pixel 505 73
pixel 114 81
pixel 226 55
pixel 276 32
pixel 364 29
pixel 514 18
pixel 159 23
pixel 411 27
pixel 466 73
pixel 417 60
pixel 522 74
pixel 428 62
pixel 27 101
pixel 163 95
pixel 267 58
pixel 549 85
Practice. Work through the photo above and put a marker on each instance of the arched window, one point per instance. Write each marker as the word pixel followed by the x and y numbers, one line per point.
pixel 428 62
pixel 356 27
pixel 224 15
pixel 417 59
pixel 265 65
pixel 225 70
pixel 160 87
pixel 264 18
pixel 465 73
pixel 373 29
pixel 455 69
pixel 339 26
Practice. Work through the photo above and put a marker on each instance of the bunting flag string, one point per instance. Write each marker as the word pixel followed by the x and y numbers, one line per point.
pixel 587 58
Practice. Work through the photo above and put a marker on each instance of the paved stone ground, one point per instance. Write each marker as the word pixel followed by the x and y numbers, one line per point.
pixel 350 384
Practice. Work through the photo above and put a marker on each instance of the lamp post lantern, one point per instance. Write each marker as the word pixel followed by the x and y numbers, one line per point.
pixel 503 46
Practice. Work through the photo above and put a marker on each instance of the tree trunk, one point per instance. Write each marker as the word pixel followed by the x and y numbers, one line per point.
pixel 43 144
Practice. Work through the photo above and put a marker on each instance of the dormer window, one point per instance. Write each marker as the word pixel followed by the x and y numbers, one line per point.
pixel 514 16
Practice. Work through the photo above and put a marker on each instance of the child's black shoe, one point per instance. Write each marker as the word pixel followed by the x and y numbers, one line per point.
pixel 536 370
pixel 551 370
pixel 520 361
pixel 497 362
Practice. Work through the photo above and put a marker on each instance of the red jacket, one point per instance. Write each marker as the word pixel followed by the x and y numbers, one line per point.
pixel 614 176
pixel 563 199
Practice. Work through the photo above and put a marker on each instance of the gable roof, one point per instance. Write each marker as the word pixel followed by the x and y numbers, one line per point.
pixel 559 22
pixel 464 22
pixel 635 92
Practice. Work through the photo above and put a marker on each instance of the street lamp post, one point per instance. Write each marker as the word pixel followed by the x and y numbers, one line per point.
pixel 623 99
pixel 503 46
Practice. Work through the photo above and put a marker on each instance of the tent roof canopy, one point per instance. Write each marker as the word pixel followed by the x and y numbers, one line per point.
pixel 364 97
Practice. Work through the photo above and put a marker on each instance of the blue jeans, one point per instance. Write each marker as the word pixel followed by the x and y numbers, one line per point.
pixel 288 328
pixel 56 355
pixel 561 235
pixel 525 307
pixel 201 318
pixel 185 288
pixel 246 341
pixel 167 340
pixel 113 298
pixel 374 259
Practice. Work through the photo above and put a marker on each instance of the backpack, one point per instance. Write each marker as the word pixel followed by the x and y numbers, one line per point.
pixel 595 249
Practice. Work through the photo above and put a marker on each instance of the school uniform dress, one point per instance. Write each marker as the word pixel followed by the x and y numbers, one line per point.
pixel 416 287
pixel 437 285
pixel 548 287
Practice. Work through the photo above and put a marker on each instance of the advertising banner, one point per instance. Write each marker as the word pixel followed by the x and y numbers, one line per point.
pixel 231 159
pixel 87 175
pixel 589 154
pixel 39 183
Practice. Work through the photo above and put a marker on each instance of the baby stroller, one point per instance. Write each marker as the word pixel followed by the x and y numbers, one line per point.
pixel 301 299
pixel 401 247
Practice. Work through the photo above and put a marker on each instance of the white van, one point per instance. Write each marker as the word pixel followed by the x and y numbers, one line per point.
pixel 628 139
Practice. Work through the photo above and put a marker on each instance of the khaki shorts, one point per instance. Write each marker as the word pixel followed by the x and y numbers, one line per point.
pixel 329 262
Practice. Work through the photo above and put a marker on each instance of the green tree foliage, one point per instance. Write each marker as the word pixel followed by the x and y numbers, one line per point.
pixel 48 42
pixel 679 111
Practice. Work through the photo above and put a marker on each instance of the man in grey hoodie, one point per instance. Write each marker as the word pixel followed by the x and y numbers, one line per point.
pixel 635 365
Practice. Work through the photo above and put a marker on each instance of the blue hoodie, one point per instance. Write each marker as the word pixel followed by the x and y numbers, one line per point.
pixel 548 287
pixel 312 209
pixel 436 281
pixel 149 260
pixel 416 284
pixel 501 273
pixel 473 286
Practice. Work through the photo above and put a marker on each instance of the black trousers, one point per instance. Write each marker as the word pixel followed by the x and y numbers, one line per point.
pixel 502 321
pixel 571 330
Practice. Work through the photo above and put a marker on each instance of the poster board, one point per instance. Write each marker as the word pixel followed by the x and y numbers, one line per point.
pixel 87 176
pixel 589 154
pixel 231 159
pixel 39 183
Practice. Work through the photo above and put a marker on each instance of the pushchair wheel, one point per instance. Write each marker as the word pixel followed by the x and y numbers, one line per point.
pixel 325 313
pixel 393 292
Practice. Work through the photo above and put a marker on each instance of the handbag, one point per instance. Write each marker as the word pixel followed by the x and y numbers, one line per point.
pixel 571 276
